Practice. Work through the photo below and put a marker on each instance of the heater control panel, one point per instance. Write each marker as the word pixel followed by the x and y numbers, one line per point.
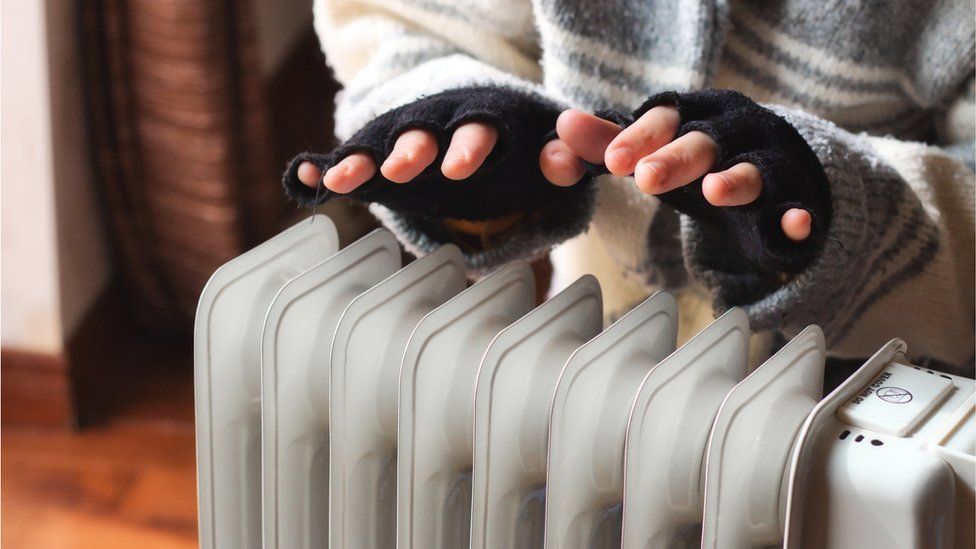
pixel 896 399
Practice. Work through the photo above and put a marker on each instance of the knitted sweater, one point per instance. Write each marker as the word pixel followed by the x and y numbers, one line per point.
pixel 882 92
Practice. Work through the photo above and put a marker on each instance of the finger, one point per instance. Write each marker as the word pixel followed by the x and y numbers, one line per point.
pixel 470 146
pixel 559 164
pixel 351 172
pixel 653 130
pixel 678 163
pixel 796 224
pixel 736 186
pixel 413 151
pixel 309 174
pixel 586 135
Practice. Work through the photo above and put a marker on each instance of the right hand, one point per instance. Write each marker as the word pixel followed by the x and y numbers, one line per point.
pixel 651 139
pixel 416 149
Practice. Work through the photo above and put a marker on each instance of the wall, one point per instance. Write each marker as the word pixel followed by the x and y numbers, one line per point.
pixel 84 265
pixel 30 315
pixel 55 261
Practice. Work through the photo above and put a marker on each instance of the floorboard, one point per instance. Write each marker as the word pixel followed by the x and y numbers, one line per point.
pixel 128 481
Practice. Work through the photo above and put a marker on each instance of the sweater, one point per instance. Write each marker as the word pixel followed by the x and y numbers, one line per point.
pixel 882 93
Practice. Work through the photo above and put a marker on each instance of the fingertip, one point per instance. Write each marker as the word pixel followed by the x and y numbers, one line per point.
pixel 569 120
pixel 737 186
pixel 717 189
pixel 651 176
pixel 653 130
pixel 349 173
pixel 395 168
pixel 797 224
pixel 332 179
pixel 309 174
pixel 586 135
pixel 413 151
pixel 457 164
pixel 470 146
pixel 559 165
pixel 619 160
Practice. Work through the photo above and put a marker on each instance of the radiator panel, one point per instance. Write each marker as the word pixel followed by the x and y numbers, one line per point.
pixel 670 420
pixel 227 377
pixel 338 397
pixel 296 352
pixel 514 393
pixel 588 424
pixel 366 355
pixel 436 408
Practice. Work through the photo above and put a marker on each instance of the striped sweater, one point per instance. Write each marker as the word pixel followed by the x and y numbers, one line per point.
pixel 883 92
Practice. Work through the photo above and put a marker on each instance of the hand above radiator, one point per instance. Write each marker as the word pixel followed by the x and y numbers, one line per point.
pixel 717 140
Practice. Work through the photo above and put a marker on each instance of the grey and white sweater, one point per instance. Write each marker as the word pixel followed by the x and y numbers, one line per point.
pixel 883 93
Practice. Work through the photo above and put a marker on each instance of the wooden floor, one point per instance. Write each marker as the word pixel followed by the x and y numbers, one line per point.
pixel 127 481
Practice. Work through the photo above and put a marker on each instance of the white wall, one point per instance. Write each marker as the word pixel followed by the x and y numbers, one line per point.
pixel 54 260
pixel 30 314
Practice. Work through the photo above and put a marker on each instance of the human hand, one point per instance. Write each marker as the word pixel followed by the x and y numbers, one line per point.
pixel 467 156
pixel 661 162
pixel 412 153
pixel 415 150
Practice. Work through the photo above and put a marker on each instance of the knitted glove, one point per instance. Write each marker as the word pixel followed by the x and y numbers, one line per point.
pixel 509 181
pixel 792 178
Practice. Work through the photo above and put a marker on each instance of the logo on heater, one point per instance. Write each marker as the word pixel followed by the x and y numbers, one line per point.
pixel 894 395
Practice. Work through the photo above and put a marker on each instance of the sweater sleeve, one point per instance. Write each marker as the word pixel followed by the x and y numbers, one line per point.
pixel 897 259
pixel 388 55
pixel 957 134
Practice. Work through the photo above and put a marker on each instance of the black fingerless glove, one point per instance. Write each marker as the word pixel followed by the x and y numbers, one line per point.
pixel 792 178
pixel 509 181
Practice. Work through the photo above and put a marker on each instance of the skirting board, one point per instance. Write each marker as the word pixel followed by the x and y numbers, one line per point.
pixel 67 389
pixel 35 390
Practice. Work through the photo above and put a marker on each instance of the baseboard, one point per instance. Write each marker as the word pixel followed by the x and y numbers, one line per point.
pixel 72 388
pixel 35 390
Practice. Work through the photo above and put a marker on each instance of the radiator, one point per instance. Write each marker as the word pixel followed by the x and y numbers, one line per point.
pixel 343 401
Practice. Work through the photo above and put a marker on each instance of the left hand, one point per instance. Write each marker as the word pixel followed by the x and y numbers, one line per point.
pixel 659 162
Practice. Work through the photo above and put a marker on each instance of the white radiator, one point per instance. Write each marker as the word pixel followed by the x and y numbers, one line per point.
pixel 345 402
